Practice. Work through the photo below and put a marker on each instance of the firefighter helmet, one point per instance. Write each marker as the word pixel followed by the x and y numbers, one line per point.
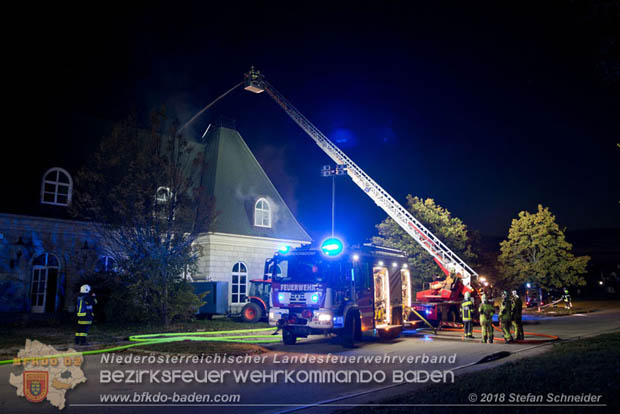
pixel 484 298
pixel 85 289
pixel 467 295
pixel 505 294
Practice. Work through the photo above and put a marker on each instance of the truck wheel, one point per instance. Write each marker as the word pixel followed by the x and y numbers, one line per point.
pixel 251 313
pixel 358 328
pixel 288 337
pixel 350 329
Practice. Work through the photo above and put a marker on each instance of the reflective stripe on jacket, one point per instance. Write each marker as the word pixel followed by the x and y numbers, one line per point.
pixel 85 308
pixel 466 310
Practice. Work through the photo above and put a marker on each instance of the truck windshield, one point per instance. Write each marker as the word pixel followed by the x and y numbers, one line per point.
pixel 307 268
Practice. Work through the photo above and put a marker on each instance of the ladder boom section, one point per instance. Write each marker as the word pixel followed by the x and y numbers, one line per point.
pixel 445 258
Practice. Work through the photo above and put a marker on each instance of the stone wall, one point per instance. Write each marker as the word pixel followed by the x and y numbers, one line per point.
pixel 24 238
pixel 222 251
pixel 65 240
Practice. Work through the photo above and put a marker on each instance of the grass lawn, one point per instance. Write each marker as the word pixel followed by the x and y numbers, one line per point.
pixel 579 306
pixel 585 366
pixel 105 335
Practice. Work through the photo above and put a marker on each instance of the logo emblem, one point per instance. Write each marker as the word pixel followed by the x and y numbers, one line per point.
pixel 35 385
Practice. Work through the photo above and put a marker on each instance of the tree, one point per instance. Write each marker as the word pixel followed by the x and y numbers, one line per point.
pixel 537 251
pixel 450 230
pixel 143 195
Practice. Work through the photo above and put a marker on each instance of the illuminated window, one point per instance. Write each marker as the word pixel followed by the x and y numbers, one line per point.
pixel 105 264
pixel 239 283
pixel 56 187
pixel 163 195
pixel 262 213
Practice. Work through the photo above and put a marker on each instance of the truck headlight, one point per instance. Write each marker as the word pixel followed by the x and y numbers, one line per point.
pixel 272 316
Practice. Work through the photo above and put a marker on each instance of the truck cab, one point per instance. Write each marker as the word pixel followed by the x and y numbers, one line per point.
pixel 359 291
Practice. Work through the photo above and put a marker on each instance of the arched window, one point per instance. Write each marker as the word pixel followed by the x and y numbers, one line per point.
pixel 44 283
pixel 239 283
pixel 56 187
pixel 163 195
pixel 105 264
pixel 262 213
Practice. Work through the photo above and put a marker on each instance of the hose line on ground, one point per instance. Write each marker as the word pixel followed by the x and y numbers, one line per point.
pixel 247 337
pixel 550 338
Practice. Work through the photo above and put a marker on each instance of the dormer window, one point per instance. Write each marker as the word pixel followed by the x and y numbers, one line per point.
pixel 161 210
pixel 56 187
pixel 262 213
pixel 163 195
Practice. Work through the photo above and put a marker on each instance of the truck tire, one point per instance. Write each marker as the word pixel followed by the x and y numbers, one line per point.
pixel 251 313
pixel 358 329
pixel 288 337
pixel 349 332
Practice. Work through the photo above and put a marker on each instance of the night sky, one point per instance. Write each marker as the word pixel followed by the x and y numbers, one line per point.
pixel 489 110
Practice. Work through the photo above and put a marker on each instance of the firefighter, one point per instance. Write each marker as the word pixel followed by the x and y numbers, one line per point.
pixel 516 314
pixel 466 313
pixel 505 316
pixel 486 311
pixel 85 315
pixel 566 298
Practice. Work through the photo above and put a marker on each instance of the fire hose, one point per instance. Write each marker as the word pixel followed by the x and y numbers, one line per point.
pixel 246 337
pixel 552 303
pixel 458 327
pixel 549 338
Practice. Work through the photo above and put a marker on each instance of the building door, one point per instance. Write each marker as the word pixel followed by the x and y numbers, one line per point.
pixel 44 283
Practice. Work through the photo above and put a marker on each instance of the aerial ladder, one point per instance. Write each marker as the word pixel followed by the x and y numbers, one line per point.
pixel 451 264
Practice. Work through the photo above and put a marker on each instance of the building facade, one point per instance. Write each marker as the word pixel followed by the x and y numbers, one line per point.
pixel 43 253
pixel 252 221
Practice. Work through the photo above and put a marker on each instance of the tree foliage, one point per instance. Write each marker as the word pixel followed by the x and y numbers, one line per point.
pixel 537 251
pixel 450 230
pixel 143 195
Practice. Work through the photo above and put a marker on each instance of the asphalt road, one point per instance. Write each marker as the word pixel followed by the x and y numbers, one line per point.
pixel 282 397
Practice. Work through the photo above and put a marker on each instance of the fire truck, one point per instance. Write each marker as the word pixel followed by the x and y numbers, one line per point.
pixel 318 291
pixel 440 304
pixel 442 297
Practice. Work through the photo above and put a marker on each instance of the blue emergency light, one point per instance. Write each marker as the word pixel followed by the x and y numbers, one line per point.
pixel 332 247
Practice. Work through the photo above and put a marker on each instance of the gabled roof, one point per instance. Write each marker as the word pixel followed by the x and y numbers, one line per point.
pixel 237 181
